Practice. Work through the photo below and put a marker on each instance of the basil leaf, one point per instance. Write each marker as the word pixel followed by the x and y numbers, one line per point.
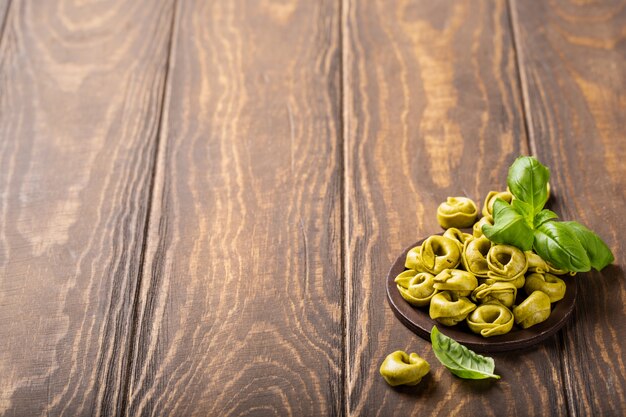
pixel 524 209
pixel 557 244
pixel 509 227
pixel 528 181
pixel 461 361
pixel 599 253
pixel 543 216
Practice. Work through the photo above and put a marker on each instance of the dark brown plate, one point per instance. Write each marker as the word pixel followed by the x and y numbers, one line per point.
pixel 418 320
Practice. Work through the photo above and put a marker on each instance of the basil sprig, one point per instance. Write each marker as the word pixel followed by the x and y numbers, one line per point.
pixel 526 224
pixel 461 361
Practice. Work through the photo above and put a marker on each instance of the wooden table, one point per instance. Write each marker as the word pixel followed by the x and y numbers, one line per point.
pixel 200 199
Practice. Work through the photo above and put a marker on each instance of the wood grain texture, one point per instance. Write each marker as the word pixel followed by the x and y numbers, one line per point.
pixel 432 109
pixel 81 88
pixel 240 305
pixel 573 63
pixel 4 8
pixel 199 201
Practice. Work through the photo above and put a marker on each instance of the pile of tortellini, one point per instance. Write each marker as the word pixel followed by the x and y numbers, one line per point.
pixel 465 277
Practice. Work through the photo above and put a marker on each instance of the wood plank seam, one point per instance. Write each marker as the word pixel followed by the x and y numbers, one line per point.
pixel 125 395
pixel 344 244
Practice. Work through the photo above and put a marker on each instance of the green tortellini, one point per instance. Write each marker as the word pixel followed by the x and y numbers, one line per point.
pixel 416 287
pixel 535 263
pixel 414 259
pixel 501 292
pixel 448 309
pixel 506 263
pixel 457 212
pixel 533 310
pixel 490 319
pixel 400 368
pixel 439 253
pixel 491 198
pixel 474 256
pixel 458 236
pixel 455 281
pixel 538 265
pixel 466 277
pixel 557 271
pixel 477 229
pixel 548 284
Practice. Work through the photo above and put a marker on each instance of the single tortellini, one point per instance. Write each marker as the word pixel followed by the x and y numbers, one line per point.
pixel 474 256
pixel 439 253
pixel 491 198
pixel 457 212
pixel 501 292
pixel 456 282
pixel 458 236
pixel 448 309
pixel 506 263
pixel 533 310
pixel 477 229
pixel 490 319
pixel 536 263
pixel 400 368
pixel 548 284
pixel 414 259
pixel 416 287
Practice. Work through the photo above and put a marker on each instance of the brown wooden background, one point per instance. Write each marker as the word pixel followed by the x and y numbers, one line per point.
pixel 200 200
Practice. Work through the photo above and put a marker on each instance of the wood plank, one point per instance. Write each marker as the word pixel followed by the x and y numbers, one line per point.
pixel 573 63
pixel 432 109
pixel 82 88
pixel 240 308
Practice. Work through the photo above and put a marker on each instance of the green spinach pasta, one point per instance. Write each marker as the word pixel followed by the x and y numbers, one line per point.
pixel 506 264
pixel 417 288
pixel 457 212
pixel 466 279
pixel 490 319
pixel 492 276
pixel 474 256
pixel 501 292
pixel 400 368
pixel 533 310
pixel 456 281
pixel 414 259
pixel 449 309
pixel 552 286
pixel 438 253
pixel 458 236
